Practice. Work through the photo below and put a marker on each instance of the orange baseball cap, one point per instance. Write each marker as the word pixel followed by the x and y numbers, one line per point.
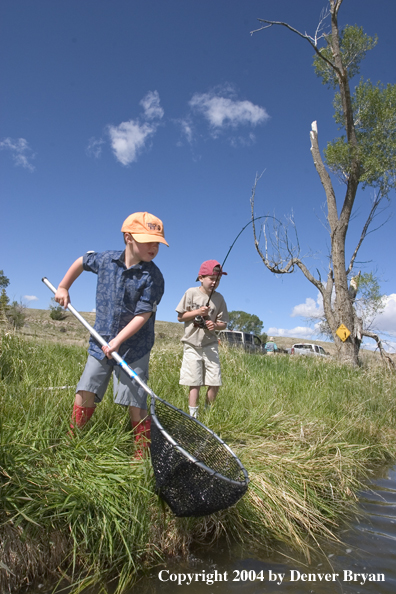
pixel 144 228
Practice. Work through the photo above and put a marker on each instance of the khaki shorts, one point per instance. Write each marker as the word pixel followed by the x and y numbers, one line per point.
pixel 126 391
pixel 200 366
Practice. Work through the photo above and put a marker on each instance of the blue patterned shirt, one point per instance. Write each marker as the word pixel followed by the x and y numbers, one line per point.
pixel 121 294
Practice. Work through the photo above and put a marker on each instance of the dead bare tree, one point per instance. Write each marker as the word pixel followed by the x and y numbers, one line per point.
pixel 349 158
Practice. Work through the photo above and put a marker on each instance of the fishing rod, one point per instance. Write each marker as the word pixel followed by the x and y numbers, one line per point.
pixel 199 321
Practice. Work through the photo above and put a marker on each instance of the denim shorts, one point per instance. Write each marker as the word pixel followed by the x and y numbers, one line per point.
pixel 126 391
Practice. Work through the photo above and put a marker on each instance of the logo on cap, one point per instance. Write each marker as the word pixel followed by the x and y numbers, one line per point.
pixel 144 228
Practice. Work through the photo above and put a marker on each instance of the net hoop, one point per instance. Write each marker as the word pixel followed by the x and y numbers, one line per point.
pixel 184 452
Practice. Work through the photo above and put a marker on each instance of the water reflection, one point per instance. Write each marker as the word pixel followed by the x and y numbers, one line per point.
pixel 366 563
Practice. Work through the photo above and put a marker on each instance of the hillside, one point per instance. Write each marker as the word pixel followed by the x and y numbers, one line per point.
pixel 41 327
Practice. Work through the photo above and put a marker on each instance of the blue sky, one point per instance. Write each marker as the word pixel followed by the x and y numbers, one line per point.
pixel 173 107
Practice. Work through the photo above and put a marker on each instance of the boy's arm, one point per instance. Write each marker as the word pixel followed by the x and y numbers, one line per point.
pixel 190 315
pixel 130 329
pixel 202 311
pixel 62 294
pixel 218 325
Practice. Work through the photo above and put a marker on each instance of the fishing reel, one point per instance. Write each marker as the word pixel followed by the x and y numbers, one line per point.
pixel 199 322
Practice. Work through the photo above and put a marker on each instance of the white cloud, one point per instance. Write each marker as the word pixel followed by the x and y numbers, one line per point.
pixel 309 309
pixel 389 346
pixel 94 148
pixel 130 138
pixel 20 150
pixel 386 321
pixel 187 129
pixel 297 332
pixel 151 106
pixel 371 345
pixel 30 298
pixel 224 111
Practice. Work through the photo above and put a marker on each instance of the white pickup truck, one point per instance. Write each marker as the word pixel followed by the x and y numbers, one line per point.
pixel 308 349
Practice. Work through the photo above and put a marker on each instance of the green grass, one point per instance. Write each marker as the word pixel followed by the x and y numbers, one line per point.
pixel 307 431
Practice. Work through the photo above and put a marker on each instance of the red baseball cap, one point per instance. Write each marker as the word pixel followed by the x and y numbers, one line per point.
pixel 210 268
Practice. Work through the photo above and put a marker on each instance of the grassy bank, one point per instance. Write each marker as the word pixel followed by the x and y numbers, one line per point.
pixel 306 430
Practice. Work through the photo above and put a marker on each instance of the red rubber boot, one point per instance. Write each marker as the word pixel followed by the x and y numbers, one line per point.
pixel 80 416
pixel 142 431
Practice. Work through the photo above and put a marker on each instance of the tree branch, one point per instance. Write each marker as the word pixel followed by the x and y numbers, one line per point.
pixel 326 181
pixel 313 41
pixel 377 200
pixel 381 349
pixel 282 264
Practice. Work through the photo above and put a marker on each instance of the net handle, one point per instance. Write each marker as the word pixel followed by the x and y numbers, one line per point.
pixel 132 374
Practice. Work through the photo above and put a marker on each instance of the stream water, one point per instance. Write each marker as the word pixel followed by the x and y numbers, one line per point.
pixel 364 564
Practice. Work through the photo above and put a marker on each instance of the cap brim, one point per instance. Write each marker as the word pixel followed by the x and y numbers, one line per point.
pixel 145 238
pixel 209 275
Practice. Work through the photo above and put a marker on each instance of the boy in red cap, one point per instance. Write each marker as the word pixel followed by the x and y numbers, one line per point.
pixel 129 288
pixel 203 311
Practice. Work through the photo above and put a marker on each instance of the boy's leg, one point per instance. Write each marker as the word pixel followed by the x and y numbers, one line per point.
pixel 91 387
pixel 127 392
pixel 137 414
pixel 212 373
pixel 83 409
pixel 193 395
pixel 211 394
pixel 193 398
pixel 85 398
pixel 141 425
pixel 191 375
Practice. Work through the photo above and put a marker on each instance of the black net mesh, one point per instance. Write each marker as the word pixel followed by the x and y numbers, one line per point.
pixel 187 488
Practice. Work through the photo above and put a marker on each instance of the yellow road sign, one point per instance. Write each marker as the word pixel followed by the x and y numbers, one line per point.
pixel 343 332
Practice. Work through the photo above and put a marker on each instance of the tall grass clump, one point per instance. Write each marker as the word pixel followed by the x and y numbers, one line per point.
pixel 307 431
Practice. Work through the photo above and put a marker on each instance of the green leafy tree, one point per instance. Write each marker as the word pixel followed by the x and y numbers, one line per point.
pixel 264 337
pixel 245 322
pixel 364 155
pixel 4 282
pixel 369 301
pixel 56 311
pixel 13 313
pixel 16 314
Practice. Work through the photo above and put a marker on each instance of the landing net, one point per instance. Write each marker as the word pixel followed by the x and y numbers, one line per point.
pixel 196 473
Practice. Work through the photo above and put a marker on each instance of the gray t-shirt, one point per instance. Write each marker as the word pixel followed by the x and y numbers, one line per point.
pixel 193 299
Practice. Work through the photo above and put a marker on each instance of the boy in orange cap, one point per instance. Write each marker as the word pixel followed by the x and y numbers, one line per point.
pixel 201 364
pixel 129 288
